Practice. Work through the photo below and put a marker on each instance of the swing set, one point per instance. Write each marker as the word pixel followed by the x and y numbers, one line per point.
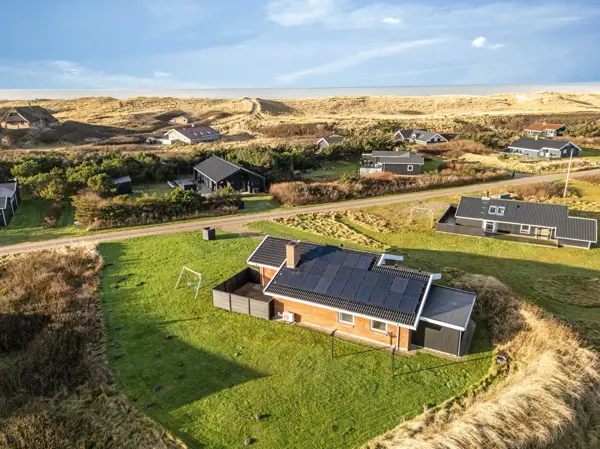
pixel 191 278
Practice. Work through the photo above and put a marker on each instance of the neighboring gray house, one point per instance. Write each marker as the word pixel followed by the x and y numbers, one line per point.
pixel 328 141
pixel 545 129
pixel 193 134
pixel 404 135
pixel 536 222
pixel 10 200
pixel 426 137
pixel 542 148
pixel 398 162
pixel 215 173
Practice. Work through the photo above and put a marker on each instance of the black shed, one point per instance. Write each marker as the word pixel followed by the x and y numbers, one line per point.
pixel 216 173
pixel 123 185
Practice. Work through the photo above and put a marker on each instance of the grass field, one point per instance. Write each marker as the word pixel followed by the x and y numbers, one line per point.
pixel 221 369
pixel 26 225
pixel 331 170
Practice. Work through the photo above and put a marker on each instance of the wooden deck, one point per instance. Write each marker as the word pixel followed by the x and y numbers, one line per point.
pixel 254 291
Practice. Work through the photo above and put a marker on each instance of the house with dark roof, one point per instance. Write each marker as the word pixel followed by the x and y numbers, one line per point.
pixel 545 129
pixel 426 138
pixel 542 148
pixel 404 135
pixel 328 141
pixel 522 221
pixel 215 173
pixel 193 134
pixel 398 162
pixel 123 185
pixel 10 200
pixel 363 295
pixel 24 117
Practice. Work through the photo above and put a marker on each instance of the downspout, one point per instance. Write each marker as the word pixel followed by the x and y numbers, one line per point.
pixel 3 218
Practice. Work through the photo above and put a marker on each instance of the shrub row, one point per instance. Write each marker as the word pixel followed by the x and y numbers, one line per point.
pixel 301 193
pixel 95 212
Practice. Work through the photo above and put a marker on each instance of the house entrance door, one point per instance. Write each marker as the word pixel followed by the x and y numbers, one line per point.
pixel 490 226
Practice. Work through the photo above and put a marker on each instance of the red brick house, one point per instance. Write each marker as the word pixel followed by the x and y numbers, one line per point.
pixel 367 296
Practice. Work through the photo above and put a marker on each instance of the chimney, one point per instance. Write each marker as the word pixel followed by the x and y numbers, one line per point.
pixel 192 125
pixel 292 254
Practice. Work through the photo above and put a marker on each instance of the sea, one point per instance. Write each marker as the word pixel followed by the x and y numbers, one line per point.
pixel 475 90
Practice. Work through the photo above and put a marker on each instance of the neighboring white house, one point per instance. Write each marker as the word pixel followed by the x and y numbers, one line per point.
pixel 420 136
pixel 327 141
pixel 193 134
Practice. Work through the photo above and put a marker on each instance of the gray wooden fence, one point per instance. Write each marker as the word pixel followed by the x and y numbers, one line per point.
pixel 242 293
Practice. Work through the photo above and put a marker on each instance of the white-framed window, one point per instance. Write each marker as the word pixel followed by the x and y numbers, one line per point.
pixel 500 210
pixel 525 229
pixel 492 210
pixel 409 168
pixel 378 326
pixel 346 318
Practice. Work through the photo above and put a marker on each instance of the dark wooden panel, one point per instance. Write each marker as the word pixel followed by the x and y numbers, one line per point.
pixel 438 338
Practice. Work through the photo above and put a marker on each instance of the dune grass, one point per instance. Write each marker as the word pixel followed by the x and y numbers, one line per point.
pixel 220 369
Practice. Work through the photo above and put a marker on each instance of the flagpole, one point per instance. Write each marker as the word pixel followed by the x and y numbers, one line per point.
pixel 568 174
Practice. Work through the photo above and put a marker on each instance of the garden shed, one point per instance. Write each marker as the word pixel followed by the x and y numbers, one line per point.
pixel 123 185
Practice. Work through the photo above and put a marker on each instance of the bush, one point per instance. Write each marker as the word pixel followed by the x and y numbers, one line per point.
pixel 54 213
pixel 592 179
pixel 300 193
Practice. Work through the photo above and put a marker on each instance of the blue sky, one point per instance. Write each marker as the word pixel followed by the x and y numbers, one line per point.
pixel 126 44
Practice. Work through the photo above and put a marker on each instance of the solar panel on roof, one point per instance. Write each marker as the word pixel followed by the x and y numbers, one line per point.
pixel 344 273
pixel 414 287
pixel 310 282
pixel 364 293
pixel 331 271
pixel 336 287
pixel 296 280
pixel 392 300
pixel 378 296
pixel 384 282
pixel 307 266
pixel 323 285
pixel 351 260
pixel 408 304
pixel 285 277
pixel 364 262
pixel 338 257
pixel 353 284
pixel 371 278
pixel 399 285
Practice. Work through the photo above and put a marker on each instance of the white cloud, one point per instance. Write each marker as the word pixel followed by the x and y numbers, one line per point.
pixel 391 20
pixel 356 59
pixel 482 42
pixel 159 74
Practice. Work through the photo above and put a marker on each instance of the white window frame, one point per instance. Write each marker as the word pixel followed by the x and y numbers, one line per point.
pixel 410 168
pixel 492 210
pixel 500 211
pixel 344 321
pixel 378 330
pixel 523 227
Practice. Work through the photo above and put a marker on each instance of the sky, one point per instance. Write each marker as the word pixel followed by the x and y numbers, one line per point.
pixel 187 44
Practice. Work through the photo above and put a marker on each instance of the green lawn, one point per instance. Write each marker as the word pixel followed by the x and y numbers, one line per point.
pixel 331 170
pixel 161 188
pixel 220 369
pixel 26 225
pixel 432 164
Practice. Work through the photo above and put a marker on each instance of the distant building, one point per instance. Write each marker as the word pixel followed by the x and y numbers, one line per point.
pixel 542 148
pixel 545 129
pixel 24 117
pixel 215 173
pixel 404 135
pixel 426 138
pixel 398 162
pixel 123 185
pixel 523 221
pixel 182 119
pixel 10 200
pixel 328 141
pixel 193 134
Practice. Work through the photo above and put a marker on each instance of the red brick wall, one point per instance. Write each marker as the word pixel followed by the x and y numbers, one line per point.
pixel 328 319
pixel 266 274
pixel 405 335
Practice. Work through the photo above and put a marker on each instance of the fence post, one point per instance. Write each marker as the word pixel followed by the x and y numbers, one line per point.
pixel 393 361
pixel 332 335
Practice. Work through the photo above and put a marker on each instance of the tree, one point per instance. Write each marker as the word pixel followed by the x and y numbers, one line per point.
pixel 378 143
pixel 101 183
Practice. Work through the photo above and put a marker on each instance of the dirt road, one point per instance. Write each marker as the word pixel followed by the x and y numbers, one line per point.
pixel 237 222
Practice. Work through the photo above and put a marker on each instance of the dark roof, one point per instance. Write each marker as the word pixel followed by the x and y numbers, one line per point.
pixel 398 157
pixel 345 279
pixel 217 169
pixel 448 306
pixel 197 132
pixel 544 126
pixel 185 182
pixel 530 213
pixel 406 133
pixel 31 113
pixel 425 135
pixel 122 180
pixel 530 143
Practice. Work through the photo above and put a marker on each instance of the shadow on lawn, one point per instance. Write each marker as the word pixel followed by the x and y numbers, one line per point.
pixel 161 372
pixel 444 365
